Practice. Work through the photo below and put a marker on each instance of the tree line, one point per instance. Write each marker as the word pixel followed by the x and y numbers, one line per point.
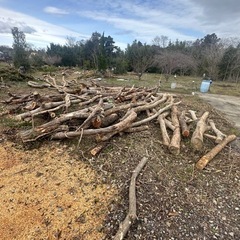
pixel 217 59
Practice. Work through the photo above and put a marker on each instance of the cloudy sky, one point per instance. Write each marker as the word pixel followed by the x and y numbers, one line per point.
pixel 46 21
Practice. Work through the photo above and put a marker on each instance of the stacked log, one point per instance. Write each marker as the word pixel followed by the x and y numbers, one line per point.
pixel 79 110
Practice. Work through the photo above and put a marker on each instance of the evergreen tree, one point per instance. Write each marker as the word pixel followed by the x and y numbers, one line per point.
pixel 20 57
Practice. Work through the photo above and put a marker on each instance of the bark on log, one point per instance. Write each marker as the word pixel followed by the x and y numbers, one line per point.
pixel 201 164
pixel 96 150
pixel 132 213
pixel 110 119
pixel 135 124
pixel 220 135
pixel 169 124
pixel 193 115
pixel 174 146
pixel 137 129
pixel 210 136
pixel 131 116
pixel 183 125
pixel 165 137
pixel 111 129
pixel 38 85
pixel 197 137
pixel 158 101
pixel 123 107
pixel 96 111
pixel 49 127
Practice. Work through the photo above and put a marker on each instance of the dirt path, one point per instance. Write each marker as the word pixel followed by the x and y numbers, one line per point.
pixel 229 105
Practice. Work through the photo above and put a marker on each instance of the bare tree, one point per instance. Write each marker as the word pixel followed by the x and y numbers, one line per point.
pixel 161 41
pixel 212 56
pixel 171 61
pixel 140 56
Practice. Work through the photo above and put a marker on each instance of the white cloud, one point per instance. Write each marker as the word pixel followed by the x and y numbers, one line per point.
pixel 42 32
pixel 144 30
pixel 182 19
pixel 54 10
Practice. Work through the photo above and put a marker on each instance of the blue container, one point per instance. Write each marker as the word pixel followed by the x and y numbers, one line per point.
pixel 205 85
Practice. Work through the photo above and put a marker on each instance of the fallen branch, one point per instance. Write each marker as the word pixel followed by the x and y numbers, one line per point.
pixel 96 150
pixel 137 129
pixel 220 135
pixel 201 164
pixel 193 115
pixel 210 136
pixel 132 213
pixel 38 85
pixel 135 124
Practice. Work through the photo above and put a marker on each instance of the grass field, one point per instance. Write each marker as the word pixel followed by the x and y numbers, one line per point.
pixel 184 84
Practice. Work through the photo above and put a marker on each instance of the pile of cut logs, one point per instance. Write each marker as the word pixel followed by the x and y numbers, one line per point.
pixel 80 109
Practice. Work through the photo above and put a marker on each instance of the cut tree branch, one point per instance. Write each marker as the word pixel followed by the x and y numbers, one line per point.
pixel 201 164
pixel 220 135
pixel 132 213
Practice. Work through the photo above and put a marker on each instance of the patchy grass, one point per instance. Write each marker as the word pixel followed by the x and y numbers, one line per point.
pixel 7 122
pixel 184 84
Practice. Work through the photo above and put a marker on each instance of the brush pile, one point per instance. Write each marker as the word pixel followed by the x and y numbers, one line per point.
pixel 78 110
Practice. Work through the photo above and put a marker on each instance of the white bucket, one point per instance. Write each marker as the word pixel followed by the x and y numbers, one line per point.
pixel 173 85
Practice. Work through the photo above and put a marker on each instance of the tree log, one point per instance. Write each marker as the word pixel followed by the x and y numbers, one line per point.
pixel 96 111
pixel 96 150
pixel 174 146
pixel 169 124
pixel 38 85
pixel 123 107
pixel 197 137
pixel 157 102
pixel 108 120
pixel 135 124
pixel 165 137
pixel 220 135
pixel 131 116
pixel 210 136
pixel 201 164
pixel 193 115
pixel 111 129
pixel 137 129
pixel 183 125
pixel 132 212
pixel 49 127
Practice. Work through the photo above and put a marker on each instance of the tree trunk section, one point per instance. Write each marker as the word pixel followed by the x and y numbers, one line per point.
pixel 165 137
pixel 174 146
pixel 183 124
pixel 197 137
pixel 201 164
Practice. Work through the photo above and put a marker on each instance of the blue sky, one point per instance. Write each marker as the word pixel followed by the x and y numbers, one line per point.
pixel 45 21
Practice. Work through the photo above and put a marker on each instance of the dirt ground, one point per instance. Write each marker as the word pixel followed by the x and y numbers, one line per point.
pixel 229 105
pixel 56 190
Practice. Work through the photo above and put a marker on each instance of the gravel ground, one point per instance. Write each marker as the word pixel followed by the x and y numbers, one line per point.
pixel 174 201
